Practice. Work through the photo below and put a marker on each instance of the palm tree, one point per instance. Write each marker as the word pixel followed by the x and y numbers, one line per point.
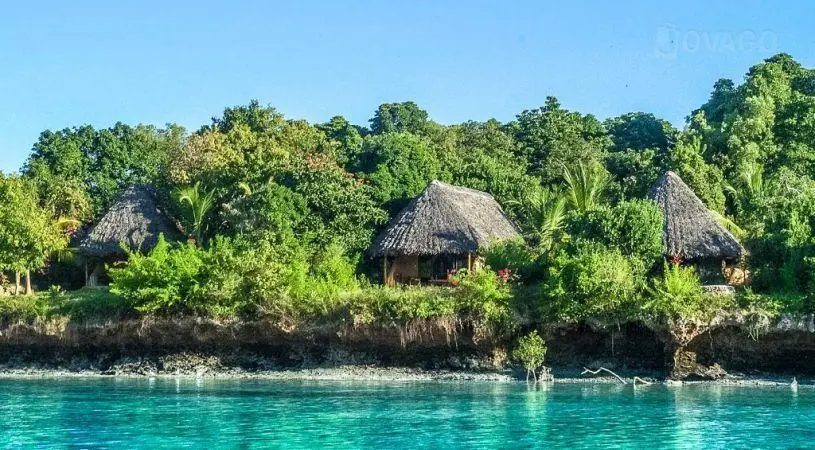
pixel 545 212
pixel 751 181
pixel 584 185
pixel 200 202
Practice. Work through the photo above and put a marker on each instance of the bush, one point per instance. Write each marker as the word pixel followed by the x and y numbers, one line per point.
pixel 679 294
pixel 486 298
pixel 591 280
pixel 387 305
pixel 531 352
pixel 92 304
pixel 276 276
pixel 516 256
pixel 25 309
pixel 163 281
pixel 633 227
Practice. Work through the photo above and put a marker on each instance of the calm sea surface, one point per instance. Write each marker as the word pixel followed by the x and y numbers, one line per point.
pixel 169 413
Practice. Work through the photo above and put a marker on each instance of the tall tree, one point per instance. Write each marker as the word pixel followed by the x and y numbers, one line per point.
pixel 404 117
pixel 103 162
pixel 551 137
pixel 29 234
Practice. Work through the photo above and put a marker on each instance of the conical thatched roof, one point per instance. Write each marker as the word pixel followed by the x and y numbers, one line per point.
pixel 135 219
pixel 691 231
pixel 445 219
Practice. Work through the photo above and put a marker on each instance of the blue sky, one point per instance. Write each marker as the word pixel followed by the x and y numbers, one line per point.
pixel 70 63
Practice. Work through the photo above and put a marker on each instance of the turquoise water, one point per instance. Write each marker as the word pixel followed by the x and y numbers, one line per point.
pixel 128 413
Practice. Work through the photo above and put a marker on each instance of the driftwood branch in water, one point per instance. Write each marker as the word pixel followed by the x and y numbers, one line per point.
pixel 602 369
pixel 640 380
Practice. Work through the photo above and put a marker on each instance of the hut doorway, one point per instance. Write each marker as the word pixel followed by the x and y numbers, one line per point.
pixel 434 269
pixel 439 267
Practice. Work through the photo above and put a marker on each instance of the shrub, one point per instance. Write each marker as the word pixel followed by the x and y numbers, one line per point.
pixel 388 305
pixel 679 294
pixel 24 308
pixel 633 227
pixel 486 298
pixel 531 352
pixel 591 280
pixel 93 304
pixel 163 281
pixel 516 256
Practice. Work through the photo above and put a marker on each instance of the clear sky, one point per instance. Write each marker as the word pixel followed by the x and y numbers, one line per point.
pixel 70 63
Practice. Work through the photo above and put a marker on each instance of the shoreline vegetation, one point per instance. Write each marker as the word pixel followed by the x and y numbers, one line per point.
pixel 255 243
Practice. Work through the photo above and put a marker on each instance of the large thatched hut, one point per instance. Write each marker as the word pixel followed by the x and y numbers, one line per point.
pixel 135 221
pixel 692 234
pixel 440 230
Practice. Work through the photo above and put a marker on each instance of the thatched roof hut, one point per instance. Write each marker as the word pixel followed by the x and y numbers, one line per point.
pixel 439 231
pixel 445 219
pixel 691 231
pixel 135 219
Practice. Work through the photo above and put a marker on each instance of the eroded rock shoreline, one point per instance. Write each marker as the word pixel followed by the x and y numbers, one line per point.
pixel 730 350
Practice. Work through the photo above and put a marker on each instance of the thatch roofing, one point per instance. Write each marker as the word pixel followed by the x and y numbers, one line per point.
pixel 135 219
pixel 445 219
pixel 691 231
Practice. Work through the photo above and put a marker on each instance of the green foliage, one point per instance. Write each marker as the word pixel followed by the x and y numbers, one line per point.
pixel 104 162
pixel 543 215
pixel 398 165
pixel 276 276
pixel 551 137
pixel 514 255
pixel 679 294
pixel 640 131
pixel 635 228
pixel 405 117
pixel 481 156
pixel 591 280
pixel 25 309
pixel 531 351
pixel 381 304
pixel 585 185
pixel 485 298
pixel 79 306
pixel 165 281
pixel 29 234
pixel 198 203
pixel 706 179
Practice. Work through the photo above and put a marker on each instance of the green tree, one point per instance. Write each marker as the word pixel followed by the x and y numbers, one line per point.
pixel 197 203
pixel 404 117
pixel 585 185
pixel 640 143
pixel 398 166
pixel 29 234
pixel 551 137
pixel 531 352
pixel 103 162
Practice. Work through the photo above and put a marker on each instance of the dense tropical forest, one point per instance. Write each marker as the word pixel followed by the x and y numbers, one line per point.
pixel 279 213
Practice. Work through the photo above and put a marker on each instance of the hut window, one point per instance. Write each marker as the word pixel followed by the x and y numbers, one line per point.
pixel 436 267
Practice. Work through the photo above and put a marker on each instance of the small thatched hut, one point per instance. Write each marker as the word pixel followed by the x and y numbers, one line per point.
pixel 438 231
pixel 135 220
pixel 692 233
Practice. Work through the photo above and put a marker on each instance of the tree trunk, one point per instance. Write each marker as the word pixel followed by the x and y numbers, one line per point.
pixel 28 290
pixel 16 283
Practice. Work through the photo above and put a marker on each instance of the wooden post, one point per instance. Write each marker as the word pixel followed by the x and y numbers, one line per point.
pixel 385 270
pixel 469 262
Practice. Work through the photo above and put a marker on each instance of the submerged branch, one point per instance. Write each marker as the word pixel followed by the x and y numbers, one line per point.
pixel 602 369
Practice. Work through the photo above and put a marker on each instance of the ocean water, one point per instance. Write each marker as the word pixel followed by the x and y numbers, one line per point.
pixel 170 413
